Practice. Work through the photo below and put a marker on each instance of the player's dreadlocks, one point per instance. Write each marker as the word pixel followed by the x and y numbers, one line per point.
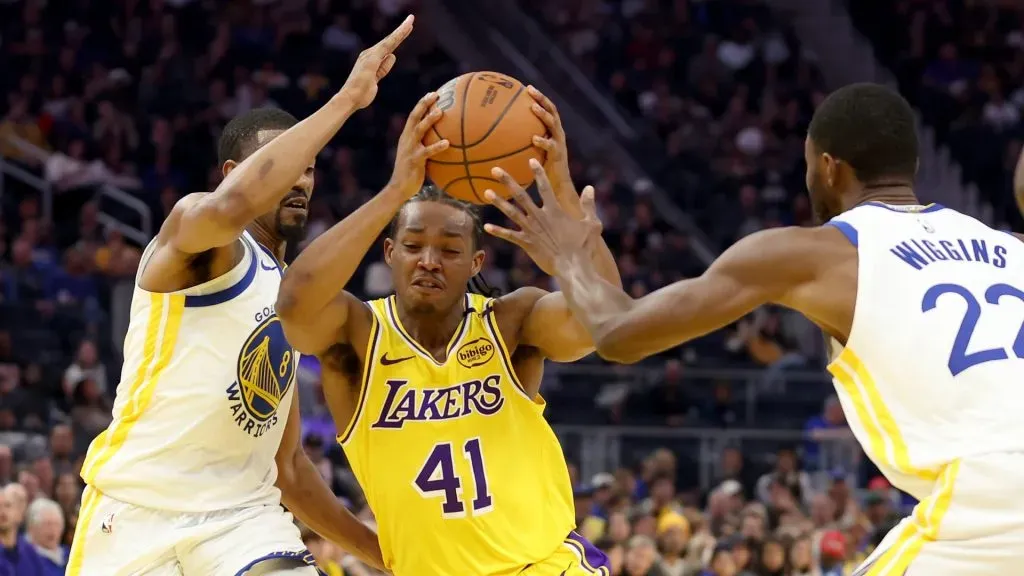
pixel 239 138
pixel 431 193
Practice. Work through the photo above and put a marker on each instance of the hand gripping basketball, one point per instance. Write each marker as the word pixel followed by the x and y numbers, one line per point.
pixel 412 154
pixel 373 64
pixel 548 234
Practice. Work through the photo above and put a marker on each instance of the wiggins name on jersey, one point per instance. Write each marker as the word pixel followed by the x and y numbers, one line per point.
pixel 462 472
pixel 204 395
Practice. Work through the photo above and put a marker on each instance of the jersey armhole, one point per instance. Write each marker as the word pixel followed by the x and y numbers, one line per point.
pixel 372 343
pixel 489 317
pixel 847 229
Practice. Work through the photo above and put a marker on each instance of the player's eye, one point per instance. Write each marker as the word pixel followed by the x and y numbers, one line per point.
pixel 410 246
pixel 452 251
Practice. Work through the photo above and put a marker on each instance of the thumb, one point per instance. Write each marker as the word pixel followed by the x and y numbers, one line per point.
pixel 588 205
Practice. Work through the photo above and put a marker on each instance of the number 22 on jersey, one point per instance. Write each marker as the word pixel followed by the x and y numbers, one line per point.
pixel 959 358
pixel 437 478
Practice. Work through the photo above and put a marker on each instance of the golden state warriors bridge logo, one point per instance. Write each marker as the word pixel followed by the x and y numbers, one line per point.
pixel 265 371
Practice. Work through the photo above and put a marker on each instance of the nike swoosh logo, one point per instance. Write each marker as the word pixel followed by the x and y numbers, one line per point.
pixel 265 267
pixel 385 361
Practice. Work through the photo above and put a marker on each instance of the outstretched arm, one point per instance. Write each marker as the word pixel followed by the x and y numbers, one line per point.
pixel 311 304
pixel 305 493
pixel 204 221
pixel 771 266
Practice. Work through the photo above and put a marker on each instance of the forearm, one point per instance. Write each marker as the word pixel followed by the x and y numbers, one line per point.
pixel 329 262
pixel 594 299
pixel 308 497
pixel 259 183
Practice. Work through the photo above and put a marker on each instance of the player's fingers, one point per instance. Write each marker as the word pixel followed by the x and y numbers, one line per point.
pixel 547 193
pixel 519 195
pixel 513 236
pixel 421 110
pixel 385 66
pixel 555 125
pixel 429 119
pixel 392 41
pixel 435 148
pixel 546 117
pixel 546 144
pixel 588 205
pixel 513 213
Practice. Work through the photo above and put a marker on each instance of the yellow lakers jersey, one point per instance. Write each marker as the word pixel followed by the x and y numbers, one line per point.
pixel 462 472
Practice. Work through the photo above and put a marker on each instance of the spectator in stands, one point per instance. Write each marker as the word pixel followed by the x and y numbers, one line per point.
pixel 17 556
pixel 86 365
pixel 44 528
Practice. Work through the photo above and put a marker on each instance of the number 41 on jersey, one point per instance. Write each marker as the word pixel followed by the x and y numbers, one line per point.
pixel 437 478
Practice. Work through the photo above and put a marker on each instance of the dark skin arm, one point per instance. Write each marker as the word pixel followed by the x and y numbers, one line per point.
pixel 213 222
pixel 1018 187
pixel 812 270
pixel 307 496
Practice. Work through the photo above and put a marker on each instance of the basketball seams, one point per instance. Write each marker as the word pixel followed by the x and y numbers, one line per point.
pixel 470 178
pixel 482 160
pixel 464 147
pixel 497 120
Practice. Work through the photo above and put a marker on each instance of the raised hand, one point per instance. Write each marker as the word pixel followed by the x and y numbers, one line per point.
pixel 548 234
pixel 556 162
pixel 373 64
pixel 411 155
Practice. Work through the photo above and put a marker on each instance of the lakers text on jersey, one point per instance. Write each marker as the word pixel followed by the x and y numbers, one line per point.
pixel 930 382
pixel 461 470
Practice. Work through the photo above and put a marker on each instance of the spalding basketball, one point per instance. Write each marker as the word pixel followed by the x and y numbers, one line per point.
pixel 488 122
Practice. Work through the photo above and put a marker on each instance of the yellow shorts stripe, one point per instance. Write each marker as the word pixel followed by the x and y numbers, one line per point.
pixel 161 336
pixel 577 548
pixel 885 440
pixel 922 527
pixel 90 501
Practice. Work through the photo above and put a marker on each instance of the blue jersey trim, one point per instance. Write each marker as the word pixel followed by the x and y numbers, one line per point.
pixel 848 230
pixel 925 210
pixel 223 296
pixel 303 556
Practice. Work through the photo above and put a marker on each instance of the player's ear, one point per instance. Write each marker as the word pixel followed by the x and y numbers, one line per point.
pixel 228 166
pixel 478 261
pixel 389 246
pixel 830 169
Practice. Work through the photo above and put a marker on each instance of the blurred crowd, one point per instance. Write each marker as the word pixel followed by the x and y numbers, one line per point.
pixel 134 97
pixel 962 64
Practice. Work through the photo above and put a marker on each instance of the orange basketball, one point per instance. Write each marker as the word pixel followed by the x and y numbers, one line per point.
pixel 488 122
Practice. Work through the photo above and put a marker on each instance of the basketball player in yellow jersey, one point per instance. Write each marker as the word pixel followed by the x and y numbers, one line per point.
pixel 204 445
pixel 446 437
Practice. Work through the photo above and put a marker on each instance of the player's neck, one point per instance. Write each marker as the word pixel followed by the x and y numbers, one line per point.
pixel 8 538
pixel 267 239
pixel 432 330
pixel 887 193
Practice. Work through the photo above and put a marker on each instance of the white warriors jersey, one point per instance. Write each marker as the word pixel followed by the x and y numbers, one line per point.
pixel 204 395
pixel 932 371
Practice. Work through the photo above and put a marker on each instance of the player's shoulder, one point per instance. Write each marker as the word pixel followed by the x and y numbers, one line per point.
pixel 793 244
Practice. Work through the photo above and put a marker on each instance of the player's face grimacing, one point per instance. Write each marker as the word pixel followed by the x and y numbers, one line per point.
pixel 822 176
pixel 432 256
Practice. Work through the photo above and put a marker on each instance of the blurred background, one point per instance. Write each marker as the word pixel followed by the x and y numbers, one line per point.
pixel 728 456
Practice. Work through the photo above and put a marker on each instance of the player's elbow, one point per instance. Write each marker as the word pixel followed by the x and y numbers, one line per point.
pixel 615 345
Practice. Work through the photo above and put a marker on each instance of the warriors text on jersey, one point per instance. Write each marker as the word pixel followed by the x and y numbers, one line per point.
pixel 461 470
pixel 204 395
pixel 931 372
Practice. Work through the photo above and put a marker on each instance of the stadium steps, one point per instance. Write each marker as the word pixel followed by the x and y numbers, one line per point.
pixel 845 57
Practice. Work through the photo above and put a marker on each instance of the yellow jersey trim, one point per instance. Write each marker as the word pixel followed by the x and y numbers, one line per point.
pixel 922 527
pixel 390 307
pixel 90 501
pixel 364 387
pixel 885 441
pixel 162 327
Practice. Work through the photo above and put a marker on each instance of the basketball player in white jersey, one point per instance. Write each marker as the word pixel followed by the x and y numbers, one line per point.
pixel 924 307
pixel 204 446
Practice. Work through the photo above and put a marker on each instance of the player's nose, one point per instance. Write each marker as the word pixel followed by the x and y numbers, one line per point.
pixel 430 259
